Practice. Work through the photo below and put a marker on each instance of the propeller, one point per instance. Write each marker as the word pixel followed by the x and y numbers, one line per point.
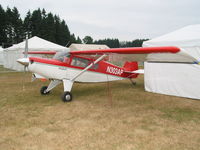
pixel 24 61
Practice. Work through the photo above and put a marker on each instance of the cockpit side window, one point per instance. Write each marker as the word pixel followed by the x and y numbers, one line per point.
pixel 79 62
pixel 60 56
pixel 95 67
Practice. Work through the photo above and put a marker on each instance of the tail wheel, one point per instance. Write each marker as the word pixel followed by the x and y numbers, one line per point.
pixel 133 82
pixel 66 97
pixel 43 90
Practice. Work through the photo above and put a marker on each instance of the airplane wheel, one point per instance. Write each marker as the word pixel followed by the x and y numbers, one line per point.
pixel 43 90
pixel 66 97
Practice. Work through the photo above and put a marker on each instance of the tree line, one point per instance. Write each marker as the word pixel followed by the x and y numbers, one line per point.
pixel 114 43
pixel 13 29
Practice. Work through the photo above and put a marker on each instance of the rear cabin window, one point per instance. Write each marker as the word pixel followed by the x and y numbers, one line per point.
pixel 66 59
pixel 95 67
pixel 80 62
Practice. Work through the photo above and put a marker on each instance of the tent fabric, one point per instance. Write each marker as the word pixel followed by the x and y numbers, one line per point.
pixel 173 79
pixel 187 38
pixel 35 43
pixel 1 56
pixel 82 47
pixel 178 79
pixel 184 37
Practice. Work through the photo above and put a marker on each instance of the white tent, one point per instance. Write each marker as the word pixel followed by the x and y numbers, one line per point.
pixel 1 56
pixel 175 78
pixel 14 52
pixel 82 47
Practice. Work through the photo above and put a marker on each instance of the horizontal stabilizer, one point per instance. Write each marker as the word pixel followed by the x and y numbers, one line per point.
pixel 140 71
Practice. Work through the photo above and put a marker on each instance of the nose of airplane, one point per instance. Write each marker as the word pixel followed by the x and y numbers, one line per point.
pixel 23 61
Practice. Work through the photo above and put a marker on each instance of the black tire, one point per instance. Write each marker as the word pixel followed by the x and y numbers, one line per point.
pixel 43 90
pixel 66 97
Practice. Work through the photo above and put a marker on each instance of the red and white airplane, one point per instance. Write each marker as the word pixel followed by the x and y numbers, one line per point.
pixel 79 66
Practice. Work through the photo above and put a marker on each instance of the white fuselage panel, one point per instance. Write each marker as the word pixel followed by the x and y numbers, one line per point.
pixel 60 72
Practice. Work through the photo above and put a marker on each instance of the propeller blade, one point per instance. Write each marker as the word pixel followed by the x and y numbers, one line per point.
pixel 26 48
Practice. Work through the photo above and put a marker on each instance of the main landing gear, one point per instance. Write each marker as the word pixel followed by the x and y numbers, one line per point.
pixel 66 96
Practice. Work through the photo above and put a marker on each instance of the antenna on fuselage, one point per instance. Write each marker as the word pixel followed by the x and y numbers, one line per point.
pixel 67 44
pixel 85 42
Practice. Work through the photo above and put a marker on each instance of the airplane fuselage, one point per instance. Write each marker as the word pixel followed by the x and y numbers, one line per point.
pixel 59 70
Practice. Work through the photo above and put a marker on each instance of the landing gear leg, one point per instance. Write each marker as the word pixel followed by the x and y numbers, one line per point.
pixel 46 89
pixel 67 96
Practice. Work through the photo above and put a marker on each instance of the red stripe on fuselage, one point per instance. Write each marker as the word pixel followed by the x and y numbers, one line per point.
pixel 104 67
pixel 48 61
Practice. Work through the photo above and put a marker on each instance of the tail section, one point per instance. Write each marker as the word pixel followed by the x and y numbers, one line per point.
pixel 132 69
pixel 130 66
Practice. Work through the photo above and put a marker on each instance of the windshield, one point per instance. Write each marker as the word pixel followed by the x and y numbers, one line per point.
pixel 60 56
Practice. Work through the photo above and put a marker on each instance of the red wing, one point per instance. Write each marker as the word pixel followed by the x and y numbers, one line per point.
pixel 151 54
pixel 132 50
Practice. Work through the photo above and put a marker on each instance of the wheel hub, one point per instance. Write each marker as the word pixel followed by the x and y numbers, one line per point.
pixel 67 97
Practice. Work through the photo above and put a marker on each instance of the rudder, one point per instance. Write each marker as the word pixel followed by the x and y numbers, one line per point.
pixel 130 66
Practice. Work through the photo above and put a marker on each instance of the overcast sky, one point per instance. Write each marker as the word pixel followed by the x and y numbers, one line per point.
pixel 123 19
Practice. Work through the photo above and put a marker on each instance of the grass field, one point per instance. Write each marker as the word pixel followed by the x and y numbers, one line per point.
pixel 136 120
